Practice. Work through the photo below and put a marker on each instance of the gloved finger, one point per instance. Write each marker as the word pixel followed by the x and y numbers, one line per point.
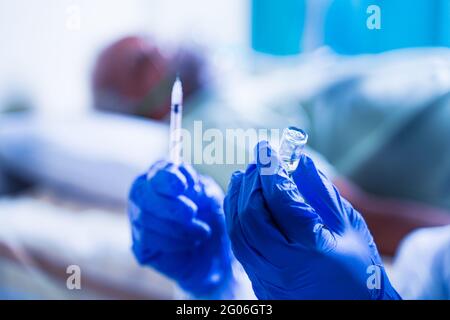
pixel 359 225
pixel 181 208
pixel 233 223
pixel 259 229
pixel 155 167
pixel 194 229
pixel 192 178
pixel 150 241
pixel 321 194
pixel 178 208
pixel 201 186
pixel 231 200
pixel 242 248
pixel 167 180
pixel 297 220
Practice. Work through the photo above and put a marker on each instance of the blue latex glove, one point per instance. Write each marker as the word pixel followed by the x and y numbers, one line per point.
pixel 178 228
pixel 293 247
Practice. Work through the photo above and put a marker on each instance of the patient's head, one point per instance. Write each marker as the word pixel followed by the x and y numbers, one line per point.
pixel 134 76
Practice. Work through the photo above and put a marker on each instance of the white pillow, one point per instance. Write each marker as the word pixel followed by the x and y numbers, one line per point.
pixel 95 154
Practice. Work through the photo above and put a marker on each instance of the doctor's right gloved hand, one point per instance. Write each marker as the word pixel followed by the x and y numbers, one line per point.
pixel 178 228
pixel 298 238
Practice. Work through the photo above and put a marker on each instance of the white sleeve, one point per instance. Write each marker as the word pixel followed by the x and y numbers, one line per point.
pixel 239 288
pixel 421 268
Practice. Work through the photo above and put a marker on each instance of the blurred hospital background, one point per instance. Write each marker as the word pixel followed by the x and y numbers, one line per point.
pixel 84 98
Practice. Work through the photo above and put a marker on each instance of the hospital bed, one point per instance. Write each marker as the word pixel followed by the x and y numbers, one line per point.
pixel 75 211
pixel 35 252
pixel 81 167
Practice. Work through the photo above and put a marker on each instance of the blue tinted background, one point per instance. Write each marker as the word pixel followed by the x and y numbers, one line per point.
pixel 404 23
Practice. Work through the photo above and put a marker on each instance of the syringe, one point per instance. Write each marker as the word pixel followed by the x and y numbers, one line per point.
pixel 176 115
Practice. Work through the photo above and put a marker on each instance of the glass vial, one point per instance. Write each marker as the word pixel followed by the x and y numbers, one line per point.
pixel 292 144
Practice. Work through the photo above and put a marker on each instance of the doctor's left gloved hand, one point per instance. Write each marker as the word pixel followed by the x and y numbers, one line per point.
pixel 297 238
pixel 178 228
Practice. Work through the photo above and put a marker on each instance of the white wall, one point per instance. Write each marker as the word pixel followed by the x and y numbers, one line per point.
pixel 45 55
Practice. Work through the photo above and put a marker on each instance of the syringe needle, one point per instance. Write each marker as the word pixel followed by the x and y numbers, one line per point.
pixel 177 92
pixel 176 114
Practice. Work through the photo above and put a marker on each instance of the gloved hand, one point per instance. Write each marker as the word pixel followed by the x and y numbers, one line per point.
pixel 298 238
pixel 178 228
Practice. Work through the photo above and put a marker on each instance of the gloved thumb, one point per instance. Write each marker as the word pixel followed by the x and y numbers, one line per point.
pixel 321 194
pixel 297 220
